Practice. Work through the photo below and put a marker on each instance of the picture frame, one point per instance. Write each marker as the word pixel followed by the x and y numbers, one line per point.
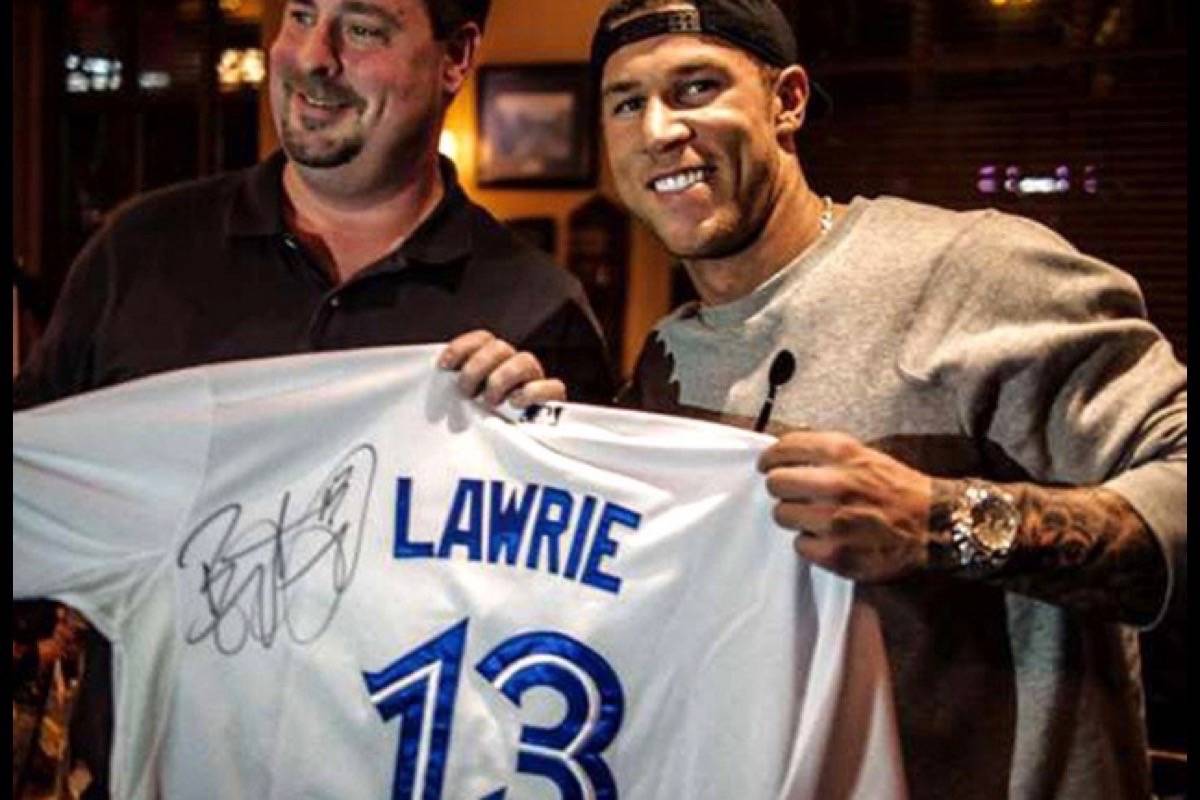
pixel 535 126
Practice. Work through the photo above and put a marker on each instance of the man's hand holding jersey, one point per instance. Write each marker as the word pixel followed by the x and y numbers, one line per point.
pixel 868 517
pixel 857 511
pixel 497 371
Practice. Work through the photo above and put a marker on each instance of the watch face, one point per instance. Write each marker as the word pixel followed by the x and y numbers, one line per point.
pixel 996 523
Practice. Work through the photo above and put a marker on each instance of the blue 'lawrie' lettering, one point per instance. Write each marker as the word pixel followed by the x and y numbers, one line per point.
pixel 509 515
pixel 547 529
pixel 568 753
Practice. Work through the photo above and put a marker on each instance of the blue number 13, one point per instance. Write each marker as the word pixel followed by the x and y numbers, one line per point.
pixel 568 754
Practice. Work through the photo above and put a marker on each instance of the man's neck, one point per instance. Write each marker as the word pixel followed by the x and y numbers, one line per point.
pixel 793 226
pixel 348 232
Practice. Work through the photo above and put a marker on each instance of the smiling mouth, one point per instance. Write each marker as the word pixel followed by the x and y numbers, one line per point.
pixel 680 181
pixel 328 104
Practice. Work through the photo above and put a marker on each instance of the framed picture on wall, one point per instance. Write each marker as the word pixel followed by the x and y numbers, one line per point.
pixel 535 126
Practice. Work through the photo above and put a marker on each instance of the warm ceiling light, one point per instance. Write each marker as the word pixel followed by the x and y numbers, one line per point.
pixel 448 144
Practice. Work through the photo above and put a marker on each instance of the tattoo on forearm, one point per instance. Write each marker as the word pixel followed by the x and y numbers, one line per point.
pixel 1085 548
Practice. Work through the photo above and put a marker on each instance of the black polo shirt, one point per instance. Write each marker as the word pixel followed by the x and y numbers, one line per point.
pixel 207 271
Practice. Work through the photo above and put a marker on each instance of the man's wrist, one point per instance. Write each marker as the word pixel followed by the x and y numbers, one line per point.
pixel 973 527
pixel 943 555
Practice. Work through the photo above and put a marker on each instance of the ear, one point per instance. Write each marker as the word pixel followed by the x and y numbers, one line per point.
pixel 791 100
pixel 462 49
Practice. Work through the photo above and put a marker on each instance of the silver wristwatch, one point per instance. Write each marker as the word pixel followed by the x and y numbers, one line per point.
pixel 983 526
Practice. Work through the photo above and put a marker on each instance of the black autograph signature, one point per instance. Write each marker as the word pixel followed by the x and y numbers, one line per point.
pixel 262 574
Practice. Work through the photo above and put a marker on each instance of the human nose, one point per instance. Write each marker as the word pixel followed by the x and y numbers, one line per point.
pixel 663 126
pixel 318 51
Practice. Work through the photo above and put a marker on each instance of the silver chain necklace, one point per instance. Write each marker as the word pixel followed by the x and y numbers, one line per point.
pixel 826 218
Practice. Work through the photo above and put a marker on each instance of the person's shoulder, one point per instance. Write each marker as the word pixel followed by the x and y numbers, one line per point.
pixel 890 212
pixel 187 204
pixel 893 239
pixel 497 243
pixel 991 227
pixel 1025 257
pixel 967 228
pixel 980 247
pixel 1002 273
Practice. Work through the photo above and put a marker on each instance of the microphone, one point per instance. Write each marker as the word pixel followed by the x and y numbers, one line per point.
pixel 783 367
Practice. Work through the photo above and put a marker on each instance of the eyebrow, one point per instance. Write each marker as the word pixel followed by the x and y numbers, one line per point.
pixel 680 71
pixel 699 65
pixel 395 19
pixel 620 87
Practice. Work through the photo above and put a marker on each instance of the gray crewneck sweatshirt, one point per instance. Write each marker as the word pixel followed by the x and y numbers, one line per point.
pixel 968 344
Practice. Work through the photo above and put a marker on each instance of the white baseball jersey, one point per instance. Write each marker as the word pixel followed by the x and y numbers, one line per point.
pixel 330 576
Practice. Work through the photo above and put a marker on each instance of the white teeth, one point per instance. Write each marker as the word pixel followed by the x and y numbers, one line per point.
pixel 671 184
pixel 320 103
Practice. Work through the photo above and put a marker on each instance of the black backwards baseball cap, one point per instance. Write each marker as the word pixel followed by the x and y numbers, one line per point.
pixel 755 26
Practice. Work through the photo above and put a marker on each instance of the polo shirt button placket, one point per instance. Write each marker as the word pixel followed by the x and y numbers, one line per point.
pixel 319 326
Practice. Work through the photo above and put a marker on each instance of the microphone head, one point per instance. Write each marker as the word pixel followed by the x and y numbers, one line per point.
pixel 783 367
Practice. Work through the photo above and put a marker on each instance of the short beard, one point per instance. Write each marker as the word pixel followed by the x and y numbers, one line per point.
pixel 731 242
pixel 319 157
pixel 326 152
pixel 724 245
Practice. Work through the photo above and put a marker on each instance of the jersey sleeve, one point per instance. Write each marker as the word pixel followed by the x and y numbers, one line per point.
pixel 1050 356
pixel 101 485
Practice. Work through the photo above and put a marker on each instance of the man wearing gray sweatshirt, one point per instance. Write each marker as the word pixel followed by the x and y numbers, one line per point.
pixel 976 421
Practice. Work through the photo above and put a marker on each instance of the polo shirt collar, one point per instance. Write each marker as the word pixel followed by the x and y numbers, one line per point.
pixel 257 207
pixel 444 236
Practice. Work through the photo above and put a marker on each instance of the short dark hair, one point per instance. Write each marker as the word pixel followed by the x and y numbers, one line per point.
pixel 450 15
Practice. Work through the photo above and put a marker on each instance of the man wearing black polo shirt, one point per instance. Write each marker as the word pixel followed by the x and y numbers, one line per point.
pixel 356 234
